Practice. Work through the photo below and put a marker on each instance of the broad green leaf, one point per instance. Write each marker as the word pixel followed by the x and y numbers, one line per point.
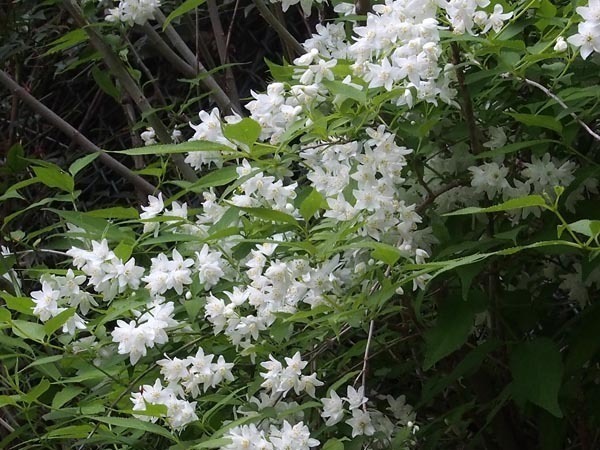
pixel 123 251
pixel 102 79
pixel 82 163
pixel 4 315
pixel 116 212
pixel 38 390
pixel 135 424
pixel 452 328
pixel 311 204
pixel 589 228
pixel 512 148
pixel 333 444
pixel 185 7
pixel 537 371
pixel 346 91
pixel 219 177
pixel 69 432
pixel 65 395
pixel 212 443
pixel 514 203
pixel 246 131
pixel 55 178
pixel 12 191
pixel 21 304
pixel 538 120
pixel 385 253
pixel 58 321
pixel 280 72
pixel 270 215
pixel 167 149
pixel 68 40
pixel 96 226
pixel 45 360
pixel 29 330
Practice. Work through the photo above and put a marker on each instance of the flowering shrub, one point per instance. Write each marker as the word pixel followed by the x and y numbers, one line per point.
pixel 410 198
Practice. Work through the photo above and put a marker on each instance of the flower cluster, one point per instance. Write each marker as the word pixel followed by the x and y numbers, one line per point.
pixel 280 380
pixel 133 11
pixel 587 37
pixel 287 437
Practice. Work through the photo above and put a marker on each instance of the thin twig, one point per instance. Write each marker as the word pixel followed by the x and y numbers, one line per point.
pixel 558 100
pixel 221 98
pixel 283 33
pixel 119 70
pixel 54 119
pixel 213 12
pixel 366 359
pixel 433 195
pixel 173 58
pixel 6 425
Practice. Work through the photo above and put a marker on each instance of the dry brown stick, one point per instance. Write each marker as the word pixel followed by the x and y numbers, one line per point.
pixel 119 70
pixel 213 12
pixel 282 31
pixel 173 58
pixel 221 98
pixel 140 184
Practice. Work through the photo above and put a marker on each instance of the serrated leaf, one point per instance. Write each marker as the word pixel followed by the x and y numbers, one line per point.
pixel 247 131
pixel 514 203
pixel 537 371
pixel 185 7
pixel 23 305
pixel 589 228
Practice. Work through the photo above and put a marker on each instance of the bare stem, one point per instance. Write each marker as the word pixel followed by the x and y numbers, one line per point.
pixel 558 100
pixel 140 184
pixel 119 70
pixel 282 31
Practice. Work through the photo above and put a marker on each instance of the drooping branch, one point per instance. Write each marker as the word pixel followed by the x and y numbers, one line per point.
pixel 140 184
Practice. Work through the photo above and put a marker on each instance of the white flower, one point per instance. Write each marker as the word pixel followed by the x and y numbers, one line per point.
pixel 46 305
pixel 361 423
pixel 355 397
pixel 587 38
pixel 561 45
pixel 333 409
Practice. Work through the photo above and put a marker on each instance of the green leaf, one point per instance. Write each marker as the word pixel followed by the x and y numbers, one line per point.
pixel 34 393
pixel 452 328
pixel 512 148
pixel 102 79
pixel 167 149
pixel 29 330
pixel 23 305
pixel 212 443
pixel 219 177
pixel 514 203
pixel 96 226
pixel 81 163
pixel 4 315
pixel 116 212
pixel 58 321
pixel 311 204
pixel 385 253
pixel 186 6
pixel 270 215
pixel 589 228
pixel 69 432
pixel 68 40
pixel 538 120
pixel 63 396
pixel 54 177
pixel 246 131
pixel 135 424
pixel 346 91
pixel 537 371
pixel 333 444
